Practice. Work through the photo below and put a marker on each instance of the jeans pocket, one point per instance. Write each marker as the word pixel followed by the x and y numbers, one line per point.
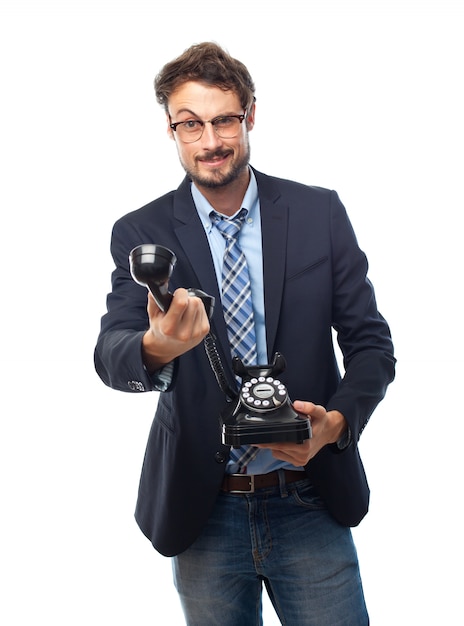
pixel 305 495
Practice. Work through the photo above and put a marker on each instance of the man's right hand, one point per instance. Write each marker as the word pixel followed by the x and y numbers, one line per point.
pixel 181 328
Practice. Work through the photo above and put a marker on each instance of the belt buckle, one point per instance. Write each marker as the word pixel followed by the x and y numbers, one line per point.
pixel 251 483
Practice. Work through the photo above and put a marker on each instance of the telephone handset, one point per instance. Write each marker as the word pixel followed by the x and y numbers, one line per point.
pixel 261 412
pixel 152 266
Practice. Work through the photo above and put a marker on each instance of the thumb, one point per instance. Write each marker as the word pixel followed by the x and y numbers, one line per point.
pixel 303 407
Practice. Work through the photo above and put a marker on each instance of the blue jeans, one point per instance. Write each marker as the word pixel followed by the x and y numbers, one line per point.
pixel 282 536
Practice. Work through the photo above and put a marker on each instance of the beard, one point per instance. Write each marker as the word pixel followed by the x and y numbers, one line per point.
pixel 221 177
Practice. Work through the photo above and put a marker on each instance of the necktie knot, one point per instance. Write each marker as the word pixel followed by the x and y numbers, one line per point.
pixel 229 228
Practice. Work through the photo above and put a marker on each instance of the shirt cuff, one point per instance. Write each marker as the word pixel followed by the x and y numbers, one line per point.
pixel 162 378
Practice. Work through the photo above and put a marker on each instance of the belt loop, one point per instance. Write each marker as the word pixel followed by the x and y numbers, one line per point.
pixel 282 483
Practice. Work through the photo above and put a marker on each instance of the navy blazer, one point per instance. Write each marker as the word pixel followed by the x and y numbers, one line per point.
pixel 315 279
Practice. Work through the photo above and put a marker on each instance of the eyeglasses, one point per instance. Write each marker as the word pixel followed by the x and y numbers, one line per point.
pixel 225 126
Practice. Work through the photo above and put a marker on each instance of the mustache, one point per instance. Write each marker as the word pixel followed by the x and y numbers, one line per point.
pixel 216 154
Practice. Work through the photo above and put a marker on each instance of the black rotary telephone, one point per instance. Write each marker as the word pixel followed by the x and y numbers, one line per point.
pixel 261 412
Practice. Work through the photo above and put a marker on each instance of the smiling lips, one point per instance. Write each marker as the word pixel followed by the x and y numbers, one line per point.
pixel 214 157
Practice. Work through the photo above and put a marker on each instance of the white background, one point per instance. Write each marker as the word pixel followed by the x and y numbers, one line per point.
pixel 364 97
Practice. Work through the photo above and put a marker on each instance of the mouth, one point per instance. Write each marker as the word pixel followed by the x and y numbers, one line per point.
pixel 214 159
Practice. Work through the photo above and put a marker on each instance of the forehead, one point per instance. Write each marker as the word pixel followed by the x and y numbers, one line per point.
pixel 204 100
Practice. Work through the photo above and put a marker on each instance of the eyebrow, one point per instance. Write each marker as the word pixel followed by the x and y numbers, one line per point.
pixel 189 111
pixel 181 111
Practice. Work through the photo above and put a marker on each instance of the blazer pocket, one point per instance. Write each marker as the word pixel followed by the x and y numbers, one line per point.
pixel 308 268
pixel 163 414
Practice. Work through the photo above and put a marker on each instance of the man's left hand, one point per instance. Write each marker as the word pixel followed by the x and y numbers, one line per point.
pixel 327 427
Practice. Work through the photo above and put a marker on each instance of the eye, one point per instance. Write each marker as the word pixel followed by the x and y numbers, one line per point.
pixel 224 121
pixel 192 125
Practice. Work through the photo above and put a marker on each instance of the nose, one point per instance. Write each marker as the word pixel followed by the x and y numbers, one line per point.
pixel 210 140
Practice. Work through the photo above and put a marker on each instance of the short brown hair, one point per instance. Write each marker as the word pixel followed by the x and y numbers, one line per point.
pixel 207 63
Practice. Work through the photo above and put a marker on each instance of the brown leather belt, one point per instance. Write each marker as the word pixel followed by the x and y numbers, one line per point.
pixel 244 483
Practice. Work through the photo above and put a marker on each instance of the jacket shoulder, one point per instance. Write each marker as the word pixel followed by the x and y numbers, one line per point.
pixel 162 204
pixel 160 208
pixel 287 186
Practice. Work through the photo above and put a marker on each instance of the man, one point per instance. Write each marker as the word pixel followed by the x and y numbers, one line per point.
pixel 283 519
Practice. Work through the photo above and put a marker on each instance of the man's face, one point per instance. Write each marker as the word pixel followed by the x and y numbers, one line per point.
pixel 211 161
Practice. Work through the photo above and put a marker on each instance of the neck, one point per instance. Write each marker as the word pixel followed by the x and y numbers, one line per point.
pixel 227 200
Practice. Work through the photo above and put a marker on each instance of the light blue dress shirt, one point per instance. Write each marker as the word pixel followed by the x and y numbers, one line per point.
pixel 250 243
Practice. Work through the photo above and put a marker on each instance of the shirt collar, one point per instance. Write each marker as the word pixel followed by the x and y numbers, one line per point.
pixel 249 202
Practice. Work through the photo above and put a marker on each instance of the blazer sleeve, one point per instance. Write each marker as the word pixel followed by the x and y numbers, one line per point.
pixel 362 333
pixel 118 352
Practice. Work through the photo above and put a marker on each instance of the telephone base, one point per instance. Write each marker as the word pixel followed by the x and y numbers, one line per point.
pixel 237 435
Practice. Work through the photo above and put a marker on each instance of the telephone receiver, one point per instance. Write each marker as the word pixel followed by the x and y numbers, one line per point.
pixel 261 412
pixel 151 266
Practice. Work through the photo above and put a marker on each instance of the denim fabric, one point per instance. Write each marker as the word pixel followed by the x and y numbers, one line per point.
pixel 282 536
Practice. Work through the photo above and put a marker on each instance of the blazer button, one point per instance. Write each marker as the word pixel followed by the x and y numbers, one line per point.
pixel 220 457
pixel 135 385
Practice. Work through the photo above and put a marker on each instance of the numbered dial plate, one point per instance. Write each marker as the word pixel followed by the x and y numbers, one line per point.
pixel 263 394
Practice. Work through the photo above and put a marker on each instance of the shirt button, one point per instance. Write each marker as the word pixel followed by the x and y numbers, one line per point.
pixel 220 457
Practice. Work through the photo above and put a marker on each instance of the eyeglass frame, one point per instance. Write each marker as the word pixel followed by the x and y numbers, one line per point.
pixel 173 125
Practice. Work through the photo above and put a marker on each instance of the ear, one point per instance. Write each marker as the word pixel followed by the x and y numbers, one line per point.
pixel 250 118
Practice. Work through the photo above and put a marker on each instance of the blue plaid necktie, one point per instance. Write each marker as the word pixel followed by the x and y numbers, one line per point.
pixel 238 309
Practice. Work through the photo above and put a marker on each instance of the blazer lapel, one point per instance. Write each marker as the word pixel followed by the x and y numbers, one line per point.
pixel 274 225
pixel 192 238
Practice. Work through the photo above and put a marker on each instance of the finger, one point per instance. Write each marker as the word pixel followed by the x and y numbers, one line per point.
pixel 152 308
pixel 186 317
pixel 286 448
pixel 304 407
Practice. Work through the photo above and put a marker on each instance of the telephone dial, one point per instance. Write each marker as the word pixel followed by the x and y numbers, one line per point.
pixel 261 412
